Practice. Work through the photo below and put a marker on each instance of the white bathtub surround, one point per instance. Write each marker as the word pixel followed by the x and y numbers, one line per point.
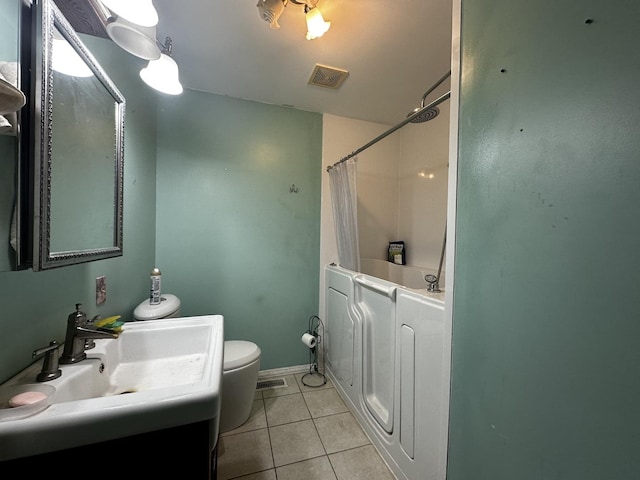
pixel 385 350
pixel 403 191
pixel 405 275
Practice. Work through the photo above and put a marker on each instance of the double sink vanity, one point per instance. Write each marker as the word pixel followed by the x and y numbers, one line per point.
pixel 150 396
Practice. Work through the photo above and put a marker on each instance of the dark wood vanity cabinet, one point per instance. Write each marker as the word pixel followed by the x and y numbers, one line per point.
pixel 184 452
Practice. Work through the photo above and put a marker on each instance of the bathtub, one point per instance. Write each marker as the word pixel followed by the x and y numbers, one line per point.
pixel 384 352
pixel 406 275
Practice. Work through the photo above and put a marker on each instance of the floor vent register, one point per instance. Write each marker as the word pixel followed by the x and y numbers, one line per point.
pixel 271 383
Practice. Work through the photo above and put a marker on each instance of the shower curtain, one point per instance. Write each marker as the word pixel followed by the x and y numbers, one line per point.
pixel 344 202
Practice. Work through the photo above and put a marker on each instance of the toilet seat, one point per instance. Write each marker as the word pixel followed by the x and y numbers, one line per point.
pixel 239 353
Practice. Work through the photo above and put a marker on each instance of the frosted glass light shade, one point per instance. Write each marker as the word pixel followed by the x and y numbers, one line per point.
pixel 316 26
pixel 270 11
pixel 162 75
pixel 137 40
pixel 140 12
pixel 65 59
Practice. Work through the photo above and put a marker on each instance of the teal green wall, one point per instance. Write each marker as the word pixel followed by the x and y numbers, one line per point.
pixel 546 330
pixel 35 305
pixel 231 238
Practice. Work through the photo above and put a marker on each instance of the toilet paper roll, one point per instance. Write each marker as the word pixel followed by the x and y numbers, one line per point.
pixel 309 340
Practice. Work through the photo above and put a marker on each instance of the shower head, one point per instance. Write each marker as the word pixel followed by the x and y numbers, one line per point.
pixel 429 113
pixel 425 116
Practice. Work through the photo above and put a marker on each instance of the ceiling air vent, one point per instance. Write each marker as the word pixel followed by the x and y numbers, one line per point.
pixel 328 77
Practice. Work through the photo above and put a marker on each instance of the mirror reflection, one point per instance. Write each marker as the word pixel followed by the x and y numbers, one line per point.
pixel 82 164
pixel 81 152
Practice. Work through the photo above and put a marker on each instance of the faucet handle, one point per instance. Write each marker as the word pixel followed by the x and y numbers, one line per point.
pixel 50 368
pixel 88 342
pixel 432 280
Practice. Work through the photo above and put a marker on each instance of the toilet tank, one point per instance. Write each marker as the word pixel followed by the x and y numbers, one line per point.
pixel 169 307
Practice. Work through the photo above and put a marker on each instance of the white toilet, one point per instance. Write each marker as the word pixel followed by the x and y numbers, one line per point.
pixel 240 371
pixel 169 307
pixel 239 379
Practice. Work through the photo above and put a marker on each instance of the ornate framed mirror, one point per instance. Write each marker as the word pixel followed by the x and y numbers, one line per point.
pixel 79 149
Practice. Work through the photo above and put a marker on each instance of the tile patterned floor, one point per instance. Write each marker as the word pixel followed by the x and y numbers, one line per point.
pixel 299 433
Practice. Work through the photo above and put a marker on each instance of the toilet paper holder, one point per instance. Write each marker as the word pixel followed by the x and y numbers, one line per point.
pixel 311 339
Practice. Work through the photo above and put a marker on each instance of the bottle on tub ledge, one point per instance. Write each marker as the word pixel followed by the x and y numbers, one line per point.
pixel 156 281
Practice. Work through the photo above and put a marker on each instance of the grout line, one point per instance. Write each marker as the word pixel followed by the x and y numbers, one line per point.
pixel 273 458
pixel 300 461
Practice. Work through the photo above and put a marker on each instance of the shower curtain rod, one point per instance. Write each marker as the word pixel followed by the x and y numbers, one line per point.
pixel 433 104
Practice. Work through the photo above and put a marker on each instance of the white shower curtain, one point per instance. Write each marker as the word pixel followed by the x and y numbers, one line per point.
pixel 344 202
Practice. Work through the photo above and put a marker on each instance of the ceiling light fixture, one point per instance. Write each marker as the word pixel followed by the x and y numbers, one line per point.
pixel 133 38
pixel 162 74
pixel 140 12
pixel 270 11
pixel 316 26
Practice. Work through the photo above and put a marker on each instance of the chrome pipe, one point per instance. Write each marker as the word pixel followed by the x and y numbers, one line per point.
pixel 433 104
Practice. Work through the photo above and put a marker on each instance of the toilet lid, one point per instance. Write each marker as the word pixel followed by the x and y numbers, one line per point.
pixel 168 305
pixel 238 353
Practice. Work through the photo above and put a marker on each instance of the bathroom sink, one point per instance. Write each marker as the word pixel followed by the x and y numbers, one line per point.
pixel 157 374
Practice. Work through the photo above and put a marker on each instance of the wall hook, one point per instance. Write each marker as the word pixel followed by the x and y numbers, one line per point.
pixel 293 188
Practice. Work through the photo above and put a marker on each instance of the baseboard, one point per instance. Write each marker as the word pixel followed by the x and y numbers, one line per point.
pixel 278 372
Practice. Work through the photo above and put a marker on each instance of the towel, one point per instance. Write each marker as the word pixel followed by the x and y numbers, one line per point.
pixel 11 98
pixel 9 124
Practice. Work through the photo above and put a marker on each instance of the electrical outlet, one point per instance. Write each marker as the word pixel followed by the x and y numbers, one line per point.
pixel 101 290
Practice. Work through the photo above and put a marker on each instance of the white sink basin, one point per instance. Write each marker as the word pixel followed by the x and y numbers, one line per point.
pixel 157 374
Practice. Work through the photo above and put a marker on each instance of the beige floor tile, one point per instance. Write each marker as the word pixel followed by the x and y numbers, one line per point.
pixel 286 409
pixel 292 387
pixel 340 432
pixel 266 475
pixel 314 469
pixel 313 379
pixel 361 463
pixel 244 453
pixel 295 442
pixel 257 419
pixel 324 402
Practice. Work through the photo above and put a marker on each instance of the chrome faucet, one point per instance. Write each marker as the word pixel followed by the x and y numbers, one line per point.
pixel 78 332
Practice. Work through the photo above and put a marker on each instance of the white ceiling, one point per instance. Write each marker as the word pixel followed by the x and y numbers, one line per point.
pixel 394 51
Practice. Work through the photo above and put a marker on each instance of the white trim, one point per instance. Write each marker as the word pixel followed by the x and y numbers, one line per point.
pixel 451 222
pixel 279 372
